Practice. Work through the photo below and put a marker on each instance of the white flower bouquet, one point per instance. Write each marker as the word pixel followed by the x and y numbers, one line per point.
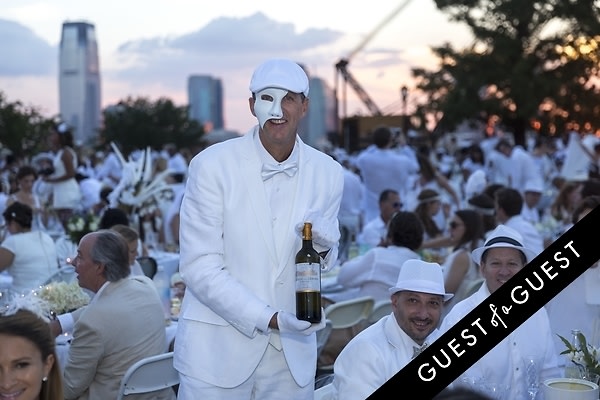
pixel 81 224
pixel 63 297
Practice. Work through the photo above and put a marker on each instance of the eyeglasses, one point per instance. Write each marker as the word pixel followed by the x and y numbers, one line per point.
pixel 397 204
pixel 454 224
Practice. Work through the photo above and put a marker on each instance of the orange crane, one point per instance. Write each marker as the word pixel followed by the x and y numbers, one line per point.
pixel 342 66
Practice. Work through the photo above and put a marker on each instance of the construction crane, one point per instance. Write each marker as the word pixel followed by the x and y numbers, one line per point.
pixel 342 66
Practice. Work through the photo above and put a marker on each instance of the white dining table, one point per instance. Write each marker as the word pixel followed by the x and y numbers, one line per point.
pixel 63 343
pixel 5 280
pixel 167 260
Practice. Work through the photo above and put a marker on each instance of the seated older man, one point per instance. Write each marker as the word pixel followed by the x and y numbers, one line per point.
pixel 380 351
pixel 123 323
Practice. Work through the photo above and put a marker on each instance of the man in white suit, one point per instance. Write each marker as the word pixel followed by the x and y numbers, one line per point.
pixel 238 336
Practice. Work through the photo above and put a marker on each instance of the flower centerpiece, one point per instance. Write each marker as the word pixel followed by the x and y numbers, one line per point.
pixel 584 357
pixel 80 224
pixel 64 297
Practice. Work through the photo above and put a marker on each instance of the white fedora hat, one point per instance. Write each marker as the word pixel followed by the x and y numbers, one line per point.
pixel 503 236
pixel 421 276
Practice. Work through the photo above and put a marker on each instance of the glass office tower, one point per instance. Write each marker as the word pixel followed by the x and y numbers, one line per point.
pixel 205 99
pixel 79 81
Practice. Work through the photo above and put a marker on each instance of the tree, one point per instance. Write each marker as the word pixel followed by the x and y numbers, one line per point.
pixel 138 123
pixel 530 61
pixel 23 130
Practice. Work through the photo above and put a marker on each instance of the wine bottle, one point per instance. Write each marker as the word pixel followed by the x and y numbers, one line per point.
pixel 308 279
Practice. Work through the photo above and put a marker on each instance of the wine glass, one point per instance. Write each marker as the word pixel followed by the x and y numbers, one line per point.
pixel 495 390
pixel 532 378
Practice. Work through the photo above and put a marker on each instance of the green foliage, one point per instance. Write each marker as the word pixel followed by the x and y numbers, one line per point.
pixel 23 130
pixel 525 54
pixel 138 123
pixel 586 357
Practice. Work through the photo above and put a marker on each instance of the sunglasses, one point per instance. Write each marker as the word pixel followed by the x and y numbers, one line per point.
pixel 397 204
pixel 454 224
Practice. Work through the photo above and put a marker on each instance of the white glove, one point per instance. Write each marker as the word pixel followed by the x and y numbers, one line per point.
pixel 320 237
pixel 287 322
pixel 325 236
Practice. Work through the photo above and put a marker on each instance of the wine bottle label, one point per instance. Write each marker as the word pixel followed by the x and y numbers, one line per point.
pixel 307 277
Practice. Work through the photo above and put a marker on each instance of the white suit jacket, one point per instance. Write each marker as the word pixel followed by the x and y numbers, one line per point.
pixel 229 264
pixel 124 324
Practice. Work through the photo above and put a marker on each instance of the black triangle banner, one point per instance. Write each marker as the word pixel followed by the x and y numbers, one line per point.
pixel 500 314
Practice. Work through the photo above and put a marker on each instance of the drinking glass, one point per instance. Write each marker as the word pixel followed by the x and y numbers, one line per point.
pixel 587 375
pixel 532 378
pixel 494 390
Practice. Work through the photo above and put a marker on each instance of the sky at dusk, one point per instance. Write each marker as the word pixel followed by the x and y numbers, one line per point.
pixel 149 48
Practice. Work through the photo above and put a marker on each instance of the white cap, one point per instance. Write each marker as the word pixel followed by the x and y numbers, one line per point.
pixel 421 276
pixel 281 74
pixel 534 185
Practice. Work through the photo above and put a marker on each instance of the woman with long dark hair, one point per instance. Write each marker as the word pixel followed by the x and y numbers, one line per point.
pixel 460 272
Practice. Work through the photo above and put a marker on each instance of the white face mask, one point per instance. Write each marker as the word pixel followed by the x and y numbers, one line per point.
pixel 266 109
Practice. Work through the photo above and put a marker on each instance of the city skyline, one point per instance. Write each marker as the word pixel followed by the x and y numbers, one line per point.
pixel 153 54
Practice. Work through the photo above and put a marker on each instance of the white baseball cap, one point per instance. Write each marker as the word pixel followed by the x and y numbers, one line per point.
pixel 279 73
pixel 421 276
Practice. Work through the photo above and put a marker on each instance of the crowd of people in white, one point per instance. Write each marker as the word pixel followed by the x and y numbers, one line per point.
pixel 400 202
pixel 462 194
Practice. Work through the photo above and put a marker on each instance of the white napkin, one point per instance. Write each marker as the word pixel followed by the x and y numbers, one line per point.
pixel 591 278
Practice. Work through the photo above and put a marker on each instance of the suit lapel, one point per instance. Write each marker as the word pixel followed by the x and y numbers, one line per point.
pixel 302 189
pixel 256 193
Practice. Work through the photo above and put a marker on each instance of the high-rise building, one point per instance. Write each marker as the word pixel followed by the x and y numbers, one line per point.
pixel 319 122
pixel 79 81
pixel 205 98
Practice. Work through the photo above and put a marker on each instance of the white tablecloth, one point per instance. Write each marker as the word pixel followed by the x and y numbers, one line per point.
pixel 169 261
pixel 5 280
pixel 63 343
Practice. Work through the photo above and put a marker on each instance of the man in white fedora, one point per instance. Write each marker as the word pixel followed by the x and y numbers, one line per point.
pixel 384 348
pixel 500 258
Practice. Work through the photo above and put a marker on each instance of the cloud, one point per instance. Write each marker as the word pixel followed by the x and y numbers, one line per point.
pixel 24 53
pixel 222 47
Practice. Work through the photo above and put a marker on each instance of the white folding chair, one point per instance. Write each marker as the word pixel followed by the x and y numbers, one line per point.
pixel 326 392
pixel 380 310
pixel 149 375
pixel 347 313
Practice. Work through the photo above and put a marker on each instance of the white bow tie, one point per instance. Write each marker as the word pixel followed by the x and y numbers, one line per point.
pixel 418 350
pixel 270 170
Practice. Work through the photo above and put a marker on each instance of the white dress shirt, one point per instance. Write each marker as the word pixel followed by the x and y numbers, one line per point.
pixel 372 357
pixel 373 232
pixel 504 363
pixel 376 271
pixel 532 239
pixel 383 169
pixel 351 204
